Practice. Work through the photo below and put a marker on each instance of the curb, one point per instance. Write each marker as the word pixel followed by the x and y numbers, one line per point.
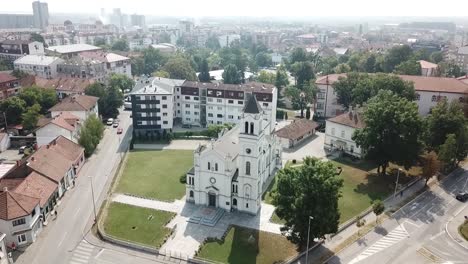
pixel 447 231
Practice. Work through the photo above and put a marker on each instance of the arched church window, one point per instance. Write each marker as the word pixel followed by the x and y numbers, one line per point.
pixel 247 168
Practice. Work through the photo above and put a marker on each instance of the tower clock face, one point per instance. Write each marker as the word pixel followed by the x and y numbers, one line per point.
pixel 212 180
pixel 248 151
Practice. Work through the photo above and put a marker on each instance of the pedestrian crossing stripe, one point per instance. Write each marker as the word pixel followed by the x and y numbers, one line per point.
pixel 388 240
pixel 82 253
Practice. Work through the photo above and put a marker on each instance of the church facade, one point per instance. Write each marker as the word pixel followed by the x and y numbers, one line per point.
pixel 233 171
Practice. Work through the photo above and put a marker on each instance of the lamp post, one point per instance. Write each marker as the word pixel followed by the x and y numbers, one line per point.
pixel 92 195
pixel 308 234
pixel 396 183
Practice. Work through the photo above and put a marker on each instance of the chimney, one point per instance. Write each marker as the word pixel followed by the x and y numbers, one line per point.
pixel 17 163
pixel 351 115
pixel 5 189
pixel 33 158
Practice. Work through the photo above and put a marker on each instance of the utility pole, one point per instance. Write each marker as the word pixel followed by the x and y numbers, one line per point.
pixel 396 183
pixel 92 195
pixel 308 235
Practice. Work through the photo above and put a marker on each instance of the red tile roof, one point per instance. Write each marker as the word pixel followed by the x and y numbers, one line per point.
pixel 76 103
pixel 352 119
pixel 38 186
pixel 297 128
pixel 427 65
pixel 5 77
pixel 50 163
pixel 73 85
pixel 65 121
pixel 14 205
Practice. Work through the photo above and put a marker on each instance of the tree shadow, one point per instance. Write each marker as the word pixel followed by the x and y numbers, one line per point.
pixel 245 246
pixel 380 230
pixel 380 186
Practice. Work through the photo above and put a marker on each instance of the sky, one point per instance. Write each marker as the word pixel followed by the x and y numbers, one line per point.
pixel 267 8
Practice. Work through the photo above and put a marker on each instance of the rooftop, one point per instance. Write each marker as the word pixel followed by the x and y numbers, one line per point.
pixel 73 48
pixel 64 120
pixel 427 65
pixel 38 186
pixel 76 103
pixel 352 119
pixel 297 128
pixel 5 77
pixel 14 205
pixel 252 106
pixel 463 50
pixel 246 87
pixel 103 56
pixel 76 85
pixel 156 85
pixel 37 60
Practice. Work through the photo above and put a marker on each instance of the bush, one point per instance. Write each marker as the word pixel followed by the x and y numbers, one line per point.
pixel 183 179
pixel 294 161
pixel 280 114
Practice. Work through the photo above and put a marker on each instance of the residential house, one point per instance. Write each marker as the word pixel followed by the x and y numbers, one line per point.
pixel 38 65
pixel 12 50
pixel 296 132
pixel 65 86
pixel 428 69
pixel 9 86
pixel 81 106
pixel 165 48
pixel 339 131
pixel 65 124
pixel 4 141
pixel 82 68
pixel 114 63
pixel 19 218
pixel 233 171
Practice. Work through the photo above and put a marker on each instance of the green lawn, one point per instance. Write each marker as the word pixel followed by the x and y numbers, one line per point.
pixel 155 174
pixel 464 230
pixel 243 245
pixel 361 187
pixel 137 224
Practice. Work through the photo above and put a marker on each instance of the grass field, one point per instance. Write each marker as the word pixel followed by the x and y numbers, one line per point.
pixel 243 245
pixel 137 224
pixel 464 230
pixel 361 186
pixel 155 174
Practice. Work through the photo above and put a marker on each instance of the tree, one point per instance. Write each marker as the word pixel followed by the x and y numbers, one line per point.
pixel 342 68
pixel 13 107
pixel 378 207
pixel 150 61
pixel 298 55
pixel 120 45
pixel 231 75
pixel 395 56
pixel 5 65
pixel 357 88
pixel 450 69
pixel 448 152
pixel 121 82
pixel 312 189
pixel 301 98
pixel 437 57
pixel 445 118
pixel 91 133
pixel 303 72
pixel 282 79
pixel 360 222
pixel 392 132
pixel 409 67
pixel 431 165
pixel 162 74
pixel 110 98
pixel 266 77
pixel 263 59
pixel 179 68
pixel 37 37
pixel 204 75
pixel 31 116
pixel 212 43
pixel 308 113
pixel 100 42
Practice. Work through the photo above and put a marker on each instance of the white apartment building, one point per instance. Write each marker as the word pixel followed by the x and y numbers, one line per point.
pixel 38 65
pixel 114 63
pixel 203 104
pixel 233 171
pixel 429 91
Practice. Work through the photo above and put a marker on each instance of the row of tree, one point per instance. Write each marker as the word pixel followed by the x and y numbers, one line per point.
pixel 91 132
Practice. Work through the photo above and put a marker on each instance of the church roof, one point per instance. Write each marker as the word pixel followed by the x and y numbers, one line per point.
pixel 252 106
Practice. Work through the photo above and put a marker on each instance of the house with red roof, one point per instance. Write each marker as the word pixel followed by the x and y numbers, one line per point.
pixel 65 124
pixel 9 85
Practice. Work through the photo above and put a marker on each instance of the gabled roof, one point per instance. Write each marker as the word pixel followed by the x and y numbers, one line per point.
pixel 297 129
pixel 252 106
pixel 5 77
pixel 38 186
pixel 37 60
pixel 50 163
pixel 60 121
pixel 76 103
pixel 14 205
pixel 427 65
pixel 352 119
pixel 74 85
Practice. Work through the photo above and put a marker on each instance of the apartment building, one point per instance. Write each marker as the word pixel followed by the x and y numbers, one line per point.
pixel 12 50
pixel 9 86
pixel 203 104
pixel 38 65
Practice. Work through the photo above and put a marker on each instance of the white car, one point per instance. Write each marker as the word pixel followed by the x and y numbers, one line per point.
pixel 110 121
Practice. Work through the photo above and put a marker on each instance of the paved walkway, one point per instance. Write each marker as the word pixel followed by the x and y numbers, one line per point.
pixel 175 144
pixel 187 237
pixel 310 147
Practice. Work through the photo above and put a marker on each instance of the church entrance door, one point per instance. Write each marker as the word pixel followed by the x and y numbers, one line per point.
pixel 212 199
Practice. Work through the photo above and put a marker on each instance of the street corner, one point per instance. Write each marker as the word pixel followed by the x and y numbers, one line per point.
pixel 456 225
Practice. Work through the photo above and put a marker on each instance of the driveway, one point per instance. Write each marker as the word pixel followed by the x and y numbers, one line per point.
pixel 310 147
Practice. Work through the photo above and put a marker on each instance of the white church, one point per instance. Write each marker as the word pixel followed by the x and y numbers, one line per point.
pixel 233 171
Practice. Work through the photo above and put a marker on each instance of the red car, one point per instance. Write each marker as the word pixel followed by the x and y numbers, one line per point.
pixel 119 130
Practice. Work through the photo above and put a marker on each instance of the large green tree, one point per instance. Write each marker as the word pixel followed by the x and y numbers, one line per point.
pixel 13 107
pixel 395 56
pixel 393 131
pixel 263 59
pixel 31 116
pixel 282 79
pixel 298 55
pixel 266 77
pixel 231 75
pixel 409 67
pixel 110 98
pixel 150 61
pixel 121 81
pixel 91 133
pixel 300 98
pixel 120 45
pixel 204 75
pixel 448 152
pixel 179 67
pixel 311 190
pixel 357 88
pixel 303 72
pixel 45 97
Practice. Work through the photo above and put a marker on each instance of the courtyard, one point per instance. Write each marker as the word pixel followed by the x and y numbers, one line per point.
pixel 155 174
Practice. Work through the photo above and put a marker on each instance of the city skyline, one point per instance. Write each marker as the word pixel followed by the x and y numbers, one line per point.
pixel 340 8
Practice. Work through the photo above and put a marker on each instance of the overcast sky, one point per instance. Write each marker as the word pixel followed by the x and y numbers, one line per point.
pixel 254 7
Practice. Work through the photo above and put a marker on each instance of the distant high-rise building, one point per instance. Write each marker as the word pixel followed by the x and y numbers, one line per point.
pixel 40 14
pixel 138 20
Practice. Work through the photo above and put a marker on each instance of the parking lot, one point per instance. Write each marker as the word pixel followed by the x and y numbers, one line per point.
pixel 310 147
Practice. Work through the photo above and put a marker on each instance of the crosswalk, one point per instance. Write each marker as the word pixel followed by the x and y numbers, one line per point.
pixel 388 240
pixel 82 253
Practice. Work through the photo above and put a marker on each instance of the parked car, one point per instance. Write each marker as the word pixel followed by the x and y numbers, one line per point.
pixel 110 121
pixel 119 130
pixel 22 149
pixel 186 126
pixel 462 197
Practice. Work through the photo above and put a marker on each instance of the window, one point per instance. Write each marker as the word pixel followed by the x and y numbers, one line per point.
pixel 33 213
pixel 219 100
pixel 164 98
pixel 210 114
pixel 321 96
pixel 187 112
pixel 210 108
pixel 164 106
pixel 219 115
pixel 187 105
pixel 209 166
pixel 187 97
pixel 247 168
pixel 210 99
pixel 333 131
pixel 434 98
pixel 220 108
pixel 22 239
pixel 234 188
pixel 320 106
pixel 216 166
pixel 18 222
pixel 195 113
pixel 240 102
pixel 247 205
pixel 230 101
pixel 219 122
pixel 265 104
pixel 342 133
pixel 246 128
pixel 418 97
pixel 195 98
pixel 164 114
pixel 165 122
pixel 196 106
pixel 191 194
pixel 251 128
pixel 230 116
pixel 234 202
pixel 187 119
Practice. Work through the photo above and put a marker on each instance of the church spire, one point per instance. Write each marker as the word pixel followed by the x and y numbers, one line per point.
pixel 252 106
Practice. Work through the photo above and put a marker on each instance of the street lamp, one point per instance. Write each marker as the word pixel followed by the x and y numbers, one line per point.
pixel 92 195
pixel 396 183
pixel 308 234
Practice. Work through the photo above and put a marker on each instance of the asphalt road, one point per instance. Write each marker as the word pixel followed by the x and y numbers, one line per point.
pixel 416 233
pixel 62 240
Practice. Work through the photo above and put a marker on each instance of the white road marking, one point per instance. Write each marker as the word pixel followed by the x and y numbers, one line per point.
pixel 76 213
pixel 82 253
pixel 397 234
pixel 63 239
pixel 437 235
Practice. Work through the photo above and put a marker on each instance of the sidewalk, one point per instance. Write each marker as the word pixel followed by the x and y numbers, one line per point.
pixel 452 227
pixel 349 228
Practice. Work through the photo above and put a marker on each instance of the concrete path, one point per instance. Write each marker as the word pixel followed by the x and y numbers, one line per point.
pixel 310 147
pixel 187 237
pixel 175 144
